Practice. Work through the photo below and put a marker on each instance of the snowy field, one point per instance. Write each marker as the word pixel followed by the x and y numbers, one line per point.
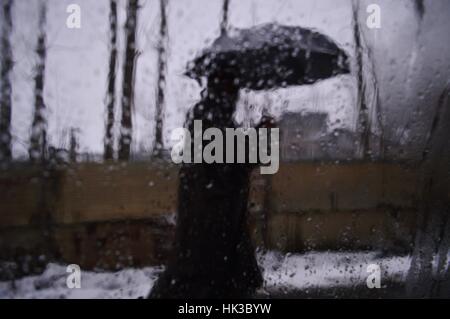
pixel 282 272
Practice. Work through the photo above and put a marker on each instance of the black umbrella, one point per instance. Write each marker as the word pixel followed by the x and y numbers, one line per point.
pixel 271 56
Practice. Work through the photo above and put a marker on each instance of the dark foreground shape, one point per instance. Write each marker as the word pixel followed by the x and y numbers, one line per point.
pixel 213 255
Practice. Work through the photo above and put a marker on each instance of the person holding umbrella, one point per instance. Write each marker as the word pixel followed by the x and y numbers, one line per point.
pixel 213 256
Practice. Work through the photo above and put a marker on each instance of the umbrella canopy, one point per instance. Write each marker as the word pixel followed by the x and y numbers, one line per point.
pixel 272 56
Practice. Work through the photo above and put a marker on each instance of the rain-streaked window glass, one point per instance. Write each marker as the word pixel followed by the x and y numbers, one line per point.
pixel 224 149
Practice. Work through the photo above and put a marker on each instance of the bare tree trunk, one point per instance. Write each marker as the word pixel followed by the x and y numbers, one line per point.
pixel 110 97
pixel 419 8
pixel 73 145
pixel 224 22
pixel 38 149
pixel 5 90
pixel 38 137
pixel 363 123
pixel 128 82
pixel 162 60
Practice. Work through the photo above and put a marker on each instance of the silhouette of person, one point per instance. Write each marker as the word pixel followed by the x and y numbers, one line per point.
pixel 212 255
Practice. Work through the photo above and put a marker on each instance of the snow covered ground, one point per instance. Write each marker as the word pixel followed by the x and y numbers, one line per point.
pixel 329 269
pixel 281 272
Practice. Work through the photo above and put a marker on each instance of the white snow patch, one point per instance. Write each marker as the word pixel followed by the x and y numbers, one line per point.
pixel 51 284
pixel 328 269
pixel 281 271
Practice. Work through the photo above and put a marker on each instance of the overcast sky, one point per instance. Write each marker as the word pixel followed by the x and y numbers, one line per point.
pixel 410 61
